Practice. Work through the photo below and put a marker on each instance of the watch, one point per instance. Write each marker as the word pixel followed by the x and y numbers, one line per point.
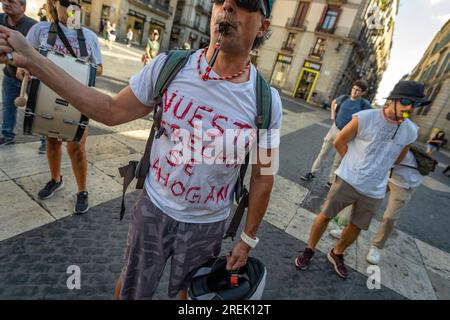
pixel 249 240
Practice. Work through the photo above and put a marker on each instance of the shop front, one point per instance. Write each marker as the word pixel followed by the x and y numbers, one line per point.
pixel 136 22
pixel 307 80
pixel 280 70
pixel 86 9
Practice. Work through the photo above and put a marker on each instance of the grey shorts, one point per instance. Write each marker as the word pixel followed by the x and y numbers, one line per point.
pixel 342 195
pixel 153 238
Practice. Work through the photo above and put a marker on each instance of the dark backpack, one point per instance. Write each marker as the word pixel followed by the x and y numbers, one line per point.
pixel 425 163
pixel 176 60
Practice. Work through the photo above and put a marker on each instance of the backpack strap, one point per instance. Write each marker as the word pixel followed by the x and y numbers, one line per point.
pixel 55 31
pixel 52 34
pixel 263 119
pixel 175 61
pixel 82 43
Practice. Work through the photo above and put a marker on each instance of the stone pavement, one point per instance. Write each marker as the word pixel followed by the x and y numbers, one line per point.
pixel 40 239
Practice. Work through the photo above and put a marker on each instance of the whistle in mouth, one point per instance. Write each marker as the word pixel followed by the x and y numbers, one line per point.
pixel 224 27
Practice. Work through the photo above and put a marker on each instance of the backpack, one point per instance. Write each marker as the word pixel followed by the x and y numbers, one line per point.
pixel 425 163
pixel 176 60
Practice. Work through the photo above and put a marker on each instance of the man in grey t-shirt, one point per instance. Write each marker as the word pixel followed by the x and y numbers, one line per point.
pixel 13 18
pixel 370 144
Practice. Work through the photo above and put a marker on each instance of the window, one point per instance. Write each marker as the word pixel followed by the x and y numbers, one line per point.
pixel 300 15
pixel 445 64
pixel 329 21
pixel 319 47
pixel 432 98
pixel 197 22
pixel 290 42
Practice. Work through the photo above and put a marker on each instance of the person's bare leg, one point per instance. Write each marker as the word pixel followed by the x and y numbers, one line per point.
pixel 349 235
pixel 54 157
pixel 77 154
pixel 183 294
pixel 317 229
pixel 117 289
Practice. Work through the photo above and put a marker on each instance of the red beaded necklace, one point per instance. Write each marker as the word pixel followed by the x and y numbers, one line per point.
pixel 208 70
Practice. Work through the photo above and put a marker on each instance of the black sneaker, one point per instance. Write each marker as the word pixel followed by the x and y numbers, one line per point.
pixel 302 262
pixel 50 188
pixel 4 141
pixel 308 177
pixel 82 205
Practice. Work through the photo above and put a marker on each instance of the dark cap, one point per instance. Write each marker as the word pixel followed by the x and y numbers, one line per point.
pixel 409 89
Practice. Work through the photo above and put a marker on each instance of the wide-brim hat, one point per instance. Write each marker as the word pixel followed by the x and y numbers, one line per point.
pixel 409 89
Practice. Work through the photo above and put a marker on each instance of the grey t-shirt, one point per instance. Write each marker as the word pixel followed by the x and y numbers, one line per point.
pixel 373 152
pixel 23 27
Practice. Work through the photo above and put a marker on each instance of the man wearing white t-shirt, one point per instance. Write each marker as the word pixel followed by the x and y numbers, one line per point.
pixel 405 178
pixel 403 181
pixel 371 143
pixel 182 212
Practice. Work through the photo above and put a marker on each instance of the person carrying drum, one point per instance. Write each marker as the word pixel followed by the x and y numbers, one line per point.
pixel 183 211
pixel 38 36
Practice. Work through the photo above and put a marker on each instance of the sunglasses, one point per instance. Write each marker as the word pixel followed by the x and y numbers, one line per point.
pixel 67 3
pixel 408 102
pixel 249 5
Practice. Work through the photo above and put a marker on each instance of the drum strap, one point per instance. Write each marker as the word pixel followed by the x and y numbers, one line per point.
pixel 55 30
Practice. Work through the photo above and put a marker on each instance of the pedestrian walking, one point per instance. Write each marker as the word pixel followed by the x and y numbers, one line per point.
pixel 342 109
pixel 435 143
pixel 129 37
pixel 39 36
pixel 42 14
pixel 111 35
pixel 370 144
pixel 14 18
pixel 403 181
pixel 152 48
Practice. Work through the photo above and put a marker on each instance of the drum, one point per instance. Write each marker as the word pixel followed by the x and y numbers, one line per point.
pixel 50 115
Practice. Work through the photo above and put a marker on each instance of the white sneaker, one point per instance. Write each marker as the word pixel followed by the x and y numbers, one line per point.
pixel 374 255
pixel 336 233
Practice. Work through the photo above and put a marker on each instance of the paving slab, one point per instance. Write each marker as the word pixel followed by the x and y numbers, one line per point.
pixel 18 212
pixel 104 147
pixel 110 167
pixel 136 139
pixel 101 188
pixel 434 259
pixel 21 160
pixel 397 273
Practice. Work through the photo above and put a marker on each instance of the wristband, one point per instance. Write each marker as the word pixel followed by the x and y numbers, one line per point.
pixel 249 240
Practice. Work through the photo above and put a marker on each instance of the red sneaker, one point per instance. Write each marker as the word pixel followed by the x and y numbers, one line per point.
pixel 302 261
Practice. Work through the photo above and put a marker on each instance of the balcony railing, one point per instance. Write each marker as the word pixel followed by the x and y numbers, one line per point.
pixel 320 28
pixel 163 6
pixel 318 54
pixel 288 47
pixel 204 7
pixel 294 23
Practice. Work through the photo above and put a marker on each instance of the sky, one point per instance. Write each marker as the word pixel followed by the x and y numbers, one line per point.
pixel 416 24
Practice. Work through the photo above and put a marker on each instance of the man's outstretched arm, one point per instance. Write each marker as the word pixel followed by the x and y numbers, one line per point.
pixel 121 108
